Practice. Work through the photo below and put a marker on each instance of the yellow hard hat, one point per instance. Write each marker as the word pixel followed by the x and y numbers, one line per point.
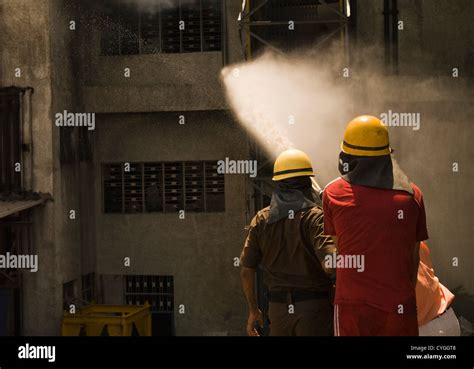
pixel 292 163
pixel 366 136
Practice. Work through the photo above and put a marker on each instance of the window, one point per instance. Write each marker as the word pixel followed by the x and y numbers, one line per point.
pixel 10 143
pixel 150 27
pixel 158 292
pixel 69 294
pixel 10 242
pixel 88 288
pixel 193 186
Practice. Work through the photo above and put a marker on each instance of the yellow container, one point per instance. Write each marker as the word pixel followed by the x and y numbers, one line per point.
pixel 111 320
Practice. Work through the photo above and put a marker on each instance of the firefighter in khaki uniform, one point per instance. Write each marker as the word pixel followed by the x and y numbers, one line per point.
pixel 286 240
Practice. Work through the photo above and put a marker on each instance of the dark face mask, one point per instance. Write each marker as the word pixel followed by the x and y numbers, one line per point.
pixel 295 183
pixel 290 194
pixel 373 171
pixel 346 164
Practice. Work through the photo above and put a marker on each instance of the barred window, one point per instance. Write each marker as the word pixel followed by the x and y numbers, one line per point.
pixel 10 139
pixel 151 26
pixel 88 288
pixel 69 294
pixel 157 291
pixel 193 186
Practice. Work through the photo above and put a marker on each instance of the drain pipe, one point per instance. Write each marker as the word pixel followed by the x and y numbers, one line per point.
pixel 386 34
pixel 395 36
pixel 390 14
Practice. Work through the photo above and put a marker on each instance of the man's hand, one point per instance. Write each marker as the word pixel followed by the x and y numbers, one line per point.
pixel 254 316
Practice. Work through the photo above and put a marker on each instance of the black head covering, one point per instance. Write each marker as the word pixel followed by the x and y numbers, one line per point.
pixel 374 171
pixel 290 194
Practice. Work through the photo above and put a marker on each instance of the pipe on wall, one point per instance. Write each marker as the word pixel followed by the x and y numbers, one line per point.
pixel 390 13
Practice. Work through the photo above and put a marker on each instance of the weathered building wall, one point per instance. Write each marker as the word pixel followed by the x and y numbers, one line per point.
pixel 199 250
pixel 67 176
pixel 36 38
pixel 157 82
pixel 67 72
pixel 74 176
pixel 25 40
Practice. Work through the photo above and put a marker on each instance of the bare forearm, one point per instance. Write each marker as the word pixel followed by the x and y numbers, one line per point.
pixel 247 276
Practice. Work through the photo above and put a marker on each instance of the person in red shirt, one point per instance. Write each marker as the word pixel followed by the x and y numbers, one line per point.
pixel 377 219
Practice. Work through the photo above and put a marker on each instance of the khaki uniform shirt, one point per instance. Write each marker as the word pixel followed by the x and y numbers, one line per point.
pixel 289 251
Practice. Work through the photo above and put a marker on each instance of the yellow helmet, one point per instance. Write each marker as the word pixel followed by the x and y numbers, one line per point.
pixel 366 136
pixel 292 163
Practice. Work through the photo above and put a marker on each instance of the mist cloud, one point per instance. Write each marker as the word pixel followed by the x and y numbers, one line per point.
pixel 304 100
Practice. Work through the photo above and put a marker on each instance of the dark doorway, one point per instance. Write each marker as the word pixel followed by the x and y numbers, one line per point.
pixel 11 231
pixel 9 312
pixel 162 324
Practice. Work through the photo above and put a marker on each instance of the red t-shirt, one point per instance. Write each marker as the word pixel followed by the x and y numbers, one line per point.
pixel 381 227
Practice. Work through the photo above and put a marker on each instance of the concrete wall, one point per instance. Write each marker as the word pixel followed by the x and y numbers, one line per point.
pixel 74 179
pixel 158 82
pixel 199 250
pixel 35 37
pixel 428 156
pixel 25 40
pixel 66 180
pixel 370 25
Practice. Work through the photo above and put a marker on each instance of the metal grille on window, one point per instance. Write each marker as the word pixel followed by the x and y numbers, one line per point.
pixel 191 35
pixel 170 30
pixel 173 187
pixel 69 294
pixel 149 26
pixel 133 188
pixel 194 186
pixel 163 187
pixel 154 290
pixel 211 25
pixel 129 29
pixel 88 287
pixel 113 185
pixel 153 183
pixel 110 38
pixel 215 194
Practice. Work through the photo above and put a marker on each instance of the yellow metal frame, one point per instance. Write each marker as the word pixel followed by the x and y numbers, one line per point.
pixel 119 320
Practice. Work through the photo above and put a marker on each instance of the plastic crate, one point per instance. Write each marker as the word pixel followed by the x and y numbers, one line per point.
pixel 108 320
